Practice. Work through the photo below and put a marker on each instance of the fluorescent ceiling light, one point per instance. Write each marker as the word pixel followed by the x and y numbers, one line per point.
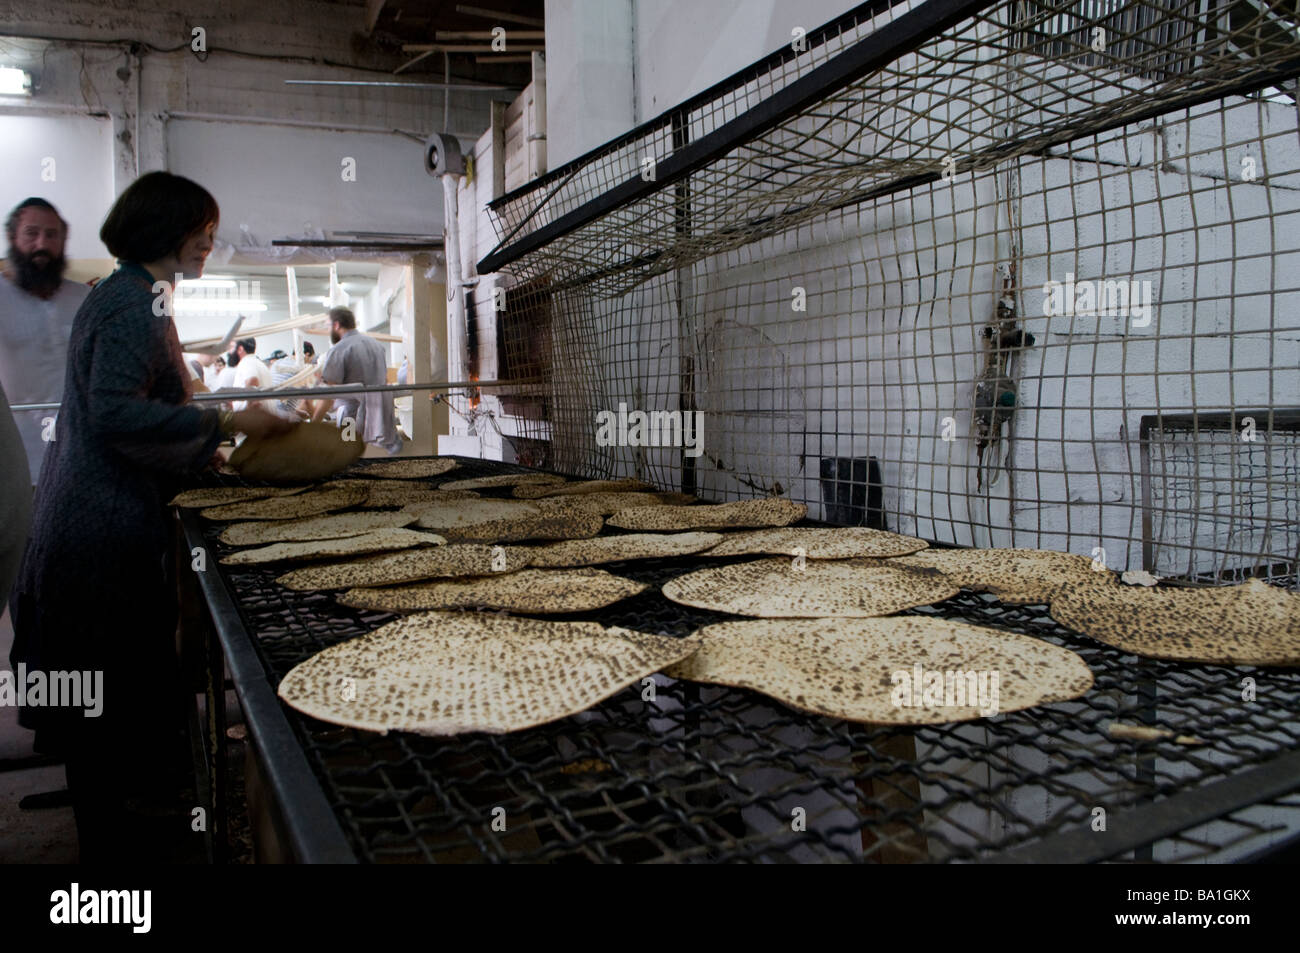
pixel 205 305
pixel 15 82
pixel 206 282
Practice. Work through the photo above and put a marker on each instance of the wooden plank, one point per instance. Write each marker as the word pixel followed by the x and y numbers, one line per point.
pixel 452 36
pixel 373 9
pixel 499 15
pixel 466 48
pixel 498 148
pixel 537 132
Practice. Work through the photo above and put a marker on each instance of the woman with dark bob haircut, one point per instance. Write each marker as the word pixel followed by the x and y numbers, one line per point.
pixel 95 594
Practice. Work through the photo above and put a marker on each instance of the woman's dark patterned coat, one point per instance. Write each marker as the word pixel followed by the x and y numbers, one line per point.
pixel 94 590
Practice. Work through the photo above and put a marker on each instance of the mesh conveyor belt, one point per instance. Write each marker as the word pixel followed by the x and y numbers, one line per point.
pixel 704 773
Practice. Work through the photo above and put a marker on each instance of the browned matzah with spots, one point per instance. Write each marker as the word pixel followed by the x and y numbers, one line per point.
pixel 1250 624
pixel 848 542
pixel 529 590
pixel 378 541
pixel 449 673
pixel 867 669
pixel 335 526
pixel 299 506
pixel 612 549
pixel 410 566
pixel 739 515
pixel 777 588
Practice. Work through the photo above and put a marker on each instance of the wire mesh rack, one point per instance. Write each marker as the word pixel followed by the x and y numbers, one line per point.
pixel 695 773
pixel 976 244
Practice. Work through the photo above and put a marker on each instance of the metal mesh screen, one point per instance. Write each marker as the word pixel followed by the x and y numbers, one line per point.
pixel 702 773
pixel 949 257
pixel 1217 498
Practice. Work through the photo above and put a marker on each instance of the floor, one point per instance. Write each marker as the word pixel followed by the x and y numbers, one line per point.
pixel 44 836
pixel 48 835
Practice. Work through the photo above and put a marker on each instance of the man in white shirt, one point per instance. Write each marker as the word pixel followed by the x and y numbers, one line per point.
pixel 37 308
pixel 226 377
pixel 250 372
pixel 213 372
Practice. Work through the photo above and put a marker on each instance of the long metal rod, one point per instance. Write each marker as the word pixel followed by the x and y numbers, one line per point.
pixel 471 87
pixel 327 391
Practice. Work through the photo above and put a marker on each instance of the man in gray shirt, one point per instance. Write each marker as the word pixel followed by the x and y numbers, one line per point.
pixel 37 307
pixel 358 359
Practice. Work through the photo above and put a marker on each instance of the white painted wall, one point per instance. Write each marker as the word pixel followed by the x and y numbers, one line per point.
pixel 288 182
pixel 589 75
pixel 684 47
pixel 76 152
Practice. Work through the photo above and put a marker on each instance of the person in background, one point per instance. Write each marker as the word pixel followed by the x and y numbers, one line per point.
pixel 213 372
pixel 96 591
pixel 293 408
pixel 308 353
pixel 250 371
pixel 358 359
pixel 37 308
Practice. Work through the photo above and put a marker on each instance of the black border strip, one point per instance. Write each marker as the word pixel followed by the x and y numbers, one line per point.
pixel 891 41
pixel 1151 823
pixel 314 832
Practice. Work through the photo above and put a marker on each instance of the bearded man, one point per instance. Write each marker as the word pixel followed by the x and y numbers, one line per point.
pixel 37 307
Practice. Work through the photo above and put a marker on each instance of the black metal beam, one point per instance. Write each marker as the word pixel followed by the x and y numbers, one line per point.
pixel 988 158
pixel 1128 830
pixel 336 243
pixel 891 41
pixel 314 832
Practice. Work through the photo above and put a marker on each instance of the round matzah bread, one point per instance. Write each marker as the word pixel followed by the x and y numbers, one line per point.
pixel 853 669
pixel 308 451
pixel 560 524
pixel 505 479
pixel 744 513
pixel 529 590
pixel 1014 576
pixel 415 468
pixel 773 588
pixel 392 496
pixel 379 484
pixel 311 503
pixel 603 503
pixel 612 549
pixel 532 491
pixel 447 673
pixel 1250 624
pixel 379 541
pixel 337 526
pixel 448 514
pixel 204 497
pixel 846 542
pixel 412 565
